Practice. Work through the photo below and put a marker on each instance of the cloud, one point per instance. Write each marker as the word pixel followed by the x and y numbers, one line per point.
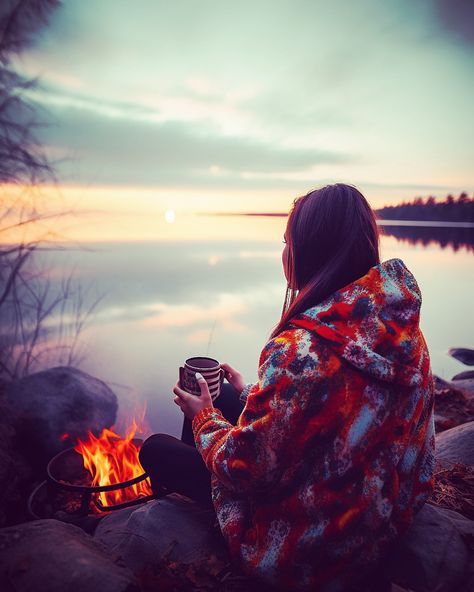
pixel 118 143
pixel 259 95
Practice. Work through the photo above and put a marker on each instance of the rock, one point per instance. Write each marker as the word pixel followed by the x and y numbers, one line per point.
pixel 51 556
pixel 463 381
pixel 466 385
pixel 171 526
pixel 15 473
pixel 452 406
pixel 51 409
pixel 440 383
pixel 469 374
pixel 435 555
pixel 463 354
pixel 456 445
pixel 15 480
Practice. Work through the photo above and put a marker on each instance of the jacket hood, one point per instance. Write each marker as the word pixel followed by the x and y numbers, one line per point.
pixel 373 323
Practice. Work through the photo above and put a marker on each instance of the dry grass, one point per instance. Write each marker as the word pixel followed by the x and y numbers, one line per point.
pixel 454 489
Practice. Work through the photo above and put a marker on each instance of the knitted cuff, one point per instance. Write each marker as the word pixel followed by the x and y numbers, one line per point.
pixel 202 416
pixel 245 392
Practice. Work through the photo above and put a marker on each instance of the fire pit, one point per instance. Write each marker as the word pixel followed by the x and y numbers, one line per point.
pixel 98 475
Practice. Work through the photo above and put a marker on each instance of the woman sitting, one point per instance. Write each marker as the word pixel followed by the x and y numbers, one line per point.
pixel 332 451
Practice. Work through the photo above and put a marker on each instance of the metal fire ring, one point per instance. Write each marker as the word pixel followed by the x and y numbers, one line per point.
pixel 50 470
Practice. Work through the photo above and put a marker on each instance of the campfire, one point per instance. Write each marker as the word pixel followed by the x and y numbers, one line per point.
pixel 112 460
pixel 97 475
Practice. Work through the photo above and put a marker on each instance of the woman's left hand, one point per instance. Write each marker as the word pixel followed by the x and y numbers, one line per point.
pixel 191 404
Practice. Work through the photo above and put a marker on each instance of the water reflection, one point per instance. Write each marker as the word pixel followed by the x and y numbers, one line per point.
pixel 454 236
pixel 165 301
pixel 447 237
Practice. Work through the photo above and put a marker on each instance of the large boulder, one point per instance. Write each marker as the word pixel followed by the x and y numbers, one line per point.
pixel 51 556
pixel 51 409
pixel 170 525
pixel 435 555
pixel 456 445
pixel 171 540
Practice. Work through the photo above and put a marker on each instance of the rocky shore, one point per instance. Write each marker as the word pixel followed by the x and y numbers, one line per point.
pixel 171 543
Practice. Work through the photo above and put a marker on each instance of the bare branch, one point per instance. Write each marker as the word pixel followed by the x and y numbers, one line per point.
pixel 20 21
pixel 34 313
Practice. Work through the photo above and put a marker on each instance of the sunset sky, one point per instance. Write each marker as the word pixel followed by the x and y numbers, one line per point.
pixel 225 106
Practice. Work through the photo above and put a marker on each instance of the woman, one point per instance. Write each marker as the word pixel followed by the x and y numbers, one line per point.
pixel 333 452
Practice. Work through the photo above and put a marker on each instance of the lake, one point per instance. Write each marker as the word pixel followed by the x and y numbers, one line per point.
pixel 220 293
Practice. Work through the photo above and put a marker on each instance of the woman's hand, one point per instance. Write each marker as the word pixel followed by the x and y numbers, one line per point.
pixel 234 377
pixel 191 404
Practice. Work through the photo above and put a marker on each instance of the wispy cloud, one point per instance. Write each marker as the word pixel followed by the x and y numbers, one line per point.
pixel 116 144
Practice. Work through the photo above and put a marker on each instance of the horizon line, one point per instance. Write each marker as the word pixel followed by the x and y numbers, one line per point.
pixel 380 221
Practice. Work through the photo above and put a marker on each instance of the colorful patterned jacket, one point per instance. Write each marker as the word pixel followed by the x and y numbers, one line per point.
pixel 334 450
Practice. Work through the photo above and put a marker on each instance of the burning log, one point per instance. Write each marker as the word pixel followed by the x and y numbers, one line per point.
pixel 112 460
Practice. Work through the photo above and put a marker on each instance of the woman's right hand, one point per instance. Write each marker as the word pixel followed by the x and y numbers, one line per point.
pixel 234 377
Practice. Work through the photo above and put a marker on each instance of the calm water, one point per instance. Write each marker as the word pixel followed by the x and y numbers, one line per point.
pixel 168 300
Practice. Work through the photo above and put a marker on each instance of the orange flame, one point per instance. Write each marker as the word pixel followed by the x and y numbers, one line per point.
pixel 111 459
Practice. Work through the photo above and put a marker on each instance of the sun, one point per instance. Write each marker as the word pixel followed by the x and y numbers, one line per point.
pixel 170 216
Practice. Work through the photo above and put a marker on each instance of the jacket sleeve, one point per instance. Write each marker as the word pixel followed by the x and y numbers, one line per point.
pixel 250 456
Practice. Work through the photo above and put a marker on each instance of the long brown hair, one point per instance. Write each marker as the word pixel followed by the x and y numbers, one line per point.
pixel 333 240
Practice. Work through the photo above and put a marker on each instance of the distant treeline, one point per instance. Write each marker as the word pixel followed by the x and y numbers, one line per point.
pixel 451 209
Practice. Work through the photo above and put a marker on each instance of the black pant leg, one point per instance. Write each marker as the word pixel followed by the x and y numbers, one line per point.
pixel 176 466
pixel 227 401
